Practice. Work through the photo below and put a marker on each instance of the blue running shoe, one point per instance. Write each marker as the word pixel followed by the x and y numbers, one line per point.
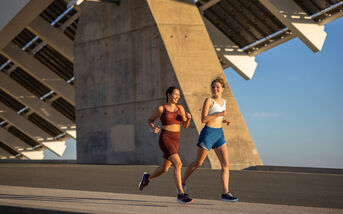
pixel 229 197
pixel 144 182
pixel 184 199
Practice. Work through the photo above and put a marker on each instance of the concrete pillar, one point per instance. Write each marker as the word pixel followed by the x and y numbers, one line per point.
pixel 125 58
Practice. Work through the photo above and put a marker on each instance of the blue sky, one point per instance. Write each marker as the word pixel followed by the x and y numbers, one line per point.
pixel 293 105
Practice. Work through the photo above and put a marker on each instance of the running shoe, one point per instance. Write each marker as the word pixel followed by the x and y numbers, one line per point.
pixel 183 187
pixel 184 199
pixel 144 182
pixel 229 197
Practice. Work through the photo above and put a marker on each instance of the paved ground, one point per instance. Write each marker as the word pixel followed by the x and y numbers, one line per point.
pixel 47 200
pixel 108 188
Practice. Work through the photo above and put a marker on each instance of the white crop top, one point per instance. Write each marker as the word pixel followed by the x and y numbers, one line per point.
pixel 216 108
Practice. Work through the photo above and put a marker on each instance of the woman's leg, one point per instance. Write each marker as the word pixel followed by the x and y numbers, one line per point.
pixel 201 155
pixel 161 169
pixel 175 159
pixel 222 154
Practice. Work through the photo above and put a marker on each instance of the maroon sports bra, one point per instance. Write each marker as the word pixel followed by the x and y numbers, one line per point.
pixel 169 118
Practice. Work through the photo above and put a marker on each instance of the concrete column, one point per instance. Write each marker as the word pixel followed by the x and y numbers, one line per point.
pixel 195 64
pixel 125 58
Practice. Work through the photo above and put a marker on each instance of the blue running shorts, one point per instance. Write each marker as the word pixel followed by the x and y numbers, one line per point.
pixel 211 138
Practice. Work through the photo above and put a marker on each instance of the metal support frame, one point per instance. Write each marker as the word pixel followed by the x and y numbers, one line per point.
pixel 230 53
pixel 293 17
pixel 39 71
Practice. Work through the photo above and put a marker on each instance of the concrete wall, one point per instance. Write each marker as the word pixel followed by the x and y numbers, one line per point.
pixel 125 58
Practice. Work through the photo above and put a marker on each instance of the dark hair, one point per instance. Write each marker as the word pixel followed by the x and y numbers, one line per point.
pixel 220 80
pixel 170 90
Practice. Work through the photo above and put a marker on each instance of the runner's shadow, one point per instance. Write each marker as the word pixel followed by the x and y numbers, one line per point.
pixel 80 200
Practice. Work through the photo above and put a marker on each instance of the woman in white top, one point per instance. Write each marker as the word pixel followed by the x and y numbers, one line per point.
pixel 212 137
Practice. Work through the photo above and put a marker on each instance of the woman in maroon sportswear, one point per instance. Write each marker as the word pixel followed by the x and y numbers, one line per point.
pixel 172 116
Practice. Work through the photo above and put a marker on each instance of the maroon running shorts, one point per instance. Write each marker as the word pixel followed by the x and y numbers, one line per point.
pixel 169 143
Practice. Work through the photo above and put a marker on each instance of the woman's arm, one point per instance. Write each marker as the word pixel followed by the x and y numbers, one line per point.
pixel 186 117
pixel 153 117
pixel 204 114
pixel 225 120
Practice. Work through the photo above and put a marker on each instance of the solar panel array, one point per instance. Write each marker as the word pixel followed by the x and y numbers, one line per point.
pixel 58 16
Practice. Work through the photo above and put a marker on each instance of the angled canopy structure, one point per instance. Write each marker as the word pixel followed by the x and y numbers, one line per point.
pixel 255 26
pixel 37 101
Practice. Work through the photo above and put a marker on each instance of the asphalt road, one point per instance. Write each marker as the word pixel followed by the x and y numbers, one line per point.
pixel 33 200
pixel 264 187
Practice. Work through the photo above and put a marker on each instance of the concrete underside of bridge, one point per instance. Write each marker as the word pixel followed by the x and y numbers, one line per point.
pixel 125 58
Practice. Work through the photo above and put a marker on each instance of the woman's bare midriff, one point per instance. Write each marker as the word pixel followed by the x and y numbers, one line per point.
pixel 172 127
pixel 216 123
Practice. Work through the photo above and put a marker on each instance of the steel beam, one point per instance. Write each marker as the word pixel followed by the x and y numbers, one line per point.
pixel 13 141
pixel 42 73
pixel 332 17
pixel 208 4
pixel 53 37
pixel 36 105
pixel 293 17
pixel 21 20
pixel 27 127
pixel 57 147
pixel 227 50
pixel 23 124
pixel 5 154
pixel 34 155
